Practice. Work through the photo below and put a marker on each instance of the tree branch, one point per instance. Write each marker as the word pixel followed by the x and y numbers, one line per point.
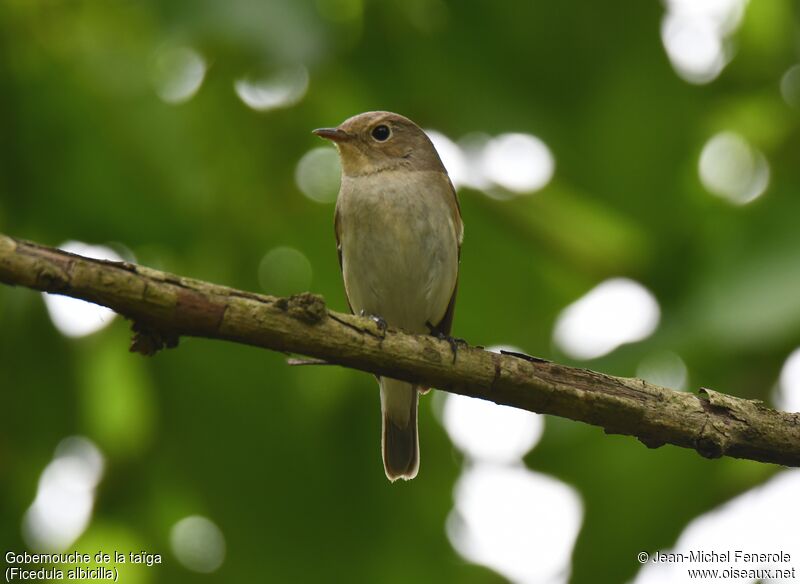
pixel 164 307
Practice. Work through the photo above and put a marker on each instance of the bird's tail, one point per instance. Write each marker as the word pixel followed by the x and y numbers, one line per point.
pixel 400 441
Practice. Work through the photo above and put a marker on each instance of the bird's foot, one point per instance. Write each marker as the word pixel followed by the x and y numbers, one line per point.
pixel 378 320
pixel 454 342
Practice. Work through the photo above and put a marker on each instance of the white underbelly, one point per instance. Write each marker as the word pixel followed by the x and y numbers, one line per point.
pixel 399 252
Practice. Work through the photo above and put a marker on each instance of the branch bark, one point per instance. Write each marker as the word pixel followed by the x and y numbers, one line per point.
pixel 164 307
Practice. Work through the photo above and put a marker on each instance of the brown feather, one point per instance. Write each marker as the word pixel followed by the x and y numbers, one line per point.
pixel 337 229
pixel 446 324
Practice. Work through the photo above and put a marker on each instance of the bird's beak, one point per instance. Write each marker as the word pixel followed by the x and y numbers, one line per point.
pixel 332 134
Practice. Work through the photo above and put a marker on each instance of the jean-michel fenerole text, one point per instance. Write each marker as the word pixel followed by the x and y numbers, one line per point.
pixel 728 556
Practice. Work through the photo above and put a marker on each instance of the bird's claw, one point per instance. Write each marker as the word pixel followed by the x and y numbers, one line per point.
pixel 378 320
pixel 454 342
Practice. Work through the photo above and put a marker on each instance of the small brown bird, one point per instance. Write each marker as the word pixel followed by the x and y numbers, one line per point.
pixel 399 232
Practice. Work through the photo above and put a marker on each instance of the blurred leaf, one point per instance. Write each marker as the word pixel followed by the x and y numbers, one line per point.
pixel 117 400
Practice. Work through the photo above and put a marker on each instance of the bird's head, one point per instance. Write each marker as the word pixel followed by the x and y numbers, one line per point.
pixel 376 141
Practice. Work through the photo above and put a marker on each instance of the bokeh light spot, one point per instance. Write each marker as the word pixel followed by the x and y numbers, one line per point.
pixel 318 174
pixel 664 368
pixel 283 89
pixel 695 36
pixel 284 271
pixel 198 544
pixel 739 524
pixel 788 394
pixel 694 48
pixel 615 312
pixel 520 523
pixel 732 169
pixel 452 157
pixel 178 73
pixel 78 318
pixel 520 163
pixel 484 430
pixel 790 86
pixel 65 496
pixel 502 167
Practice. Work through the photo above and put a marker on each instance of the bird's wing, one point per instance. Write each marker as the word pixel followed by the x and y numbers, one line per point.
pixel 455 208
pixel 337 229
pixel 446 324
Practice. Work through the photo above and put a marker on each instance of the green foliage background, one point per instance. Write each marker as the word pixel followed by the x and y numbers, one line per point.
pixel 285 460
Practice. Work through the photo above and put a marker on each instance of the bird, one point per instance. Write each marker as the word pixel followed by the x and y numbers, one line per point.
pixel 398 232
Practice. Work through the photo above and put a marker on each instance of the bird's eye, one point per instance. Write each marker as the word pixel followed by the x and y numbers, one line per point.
pixel 381 133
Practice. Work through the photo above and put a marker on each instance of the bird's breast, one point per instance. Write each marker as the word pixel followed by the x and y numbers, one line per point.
pixel 399 246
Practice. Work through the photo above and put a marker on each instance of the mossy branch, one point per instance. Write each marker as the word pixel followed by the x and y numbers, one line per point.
pixel 164 307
